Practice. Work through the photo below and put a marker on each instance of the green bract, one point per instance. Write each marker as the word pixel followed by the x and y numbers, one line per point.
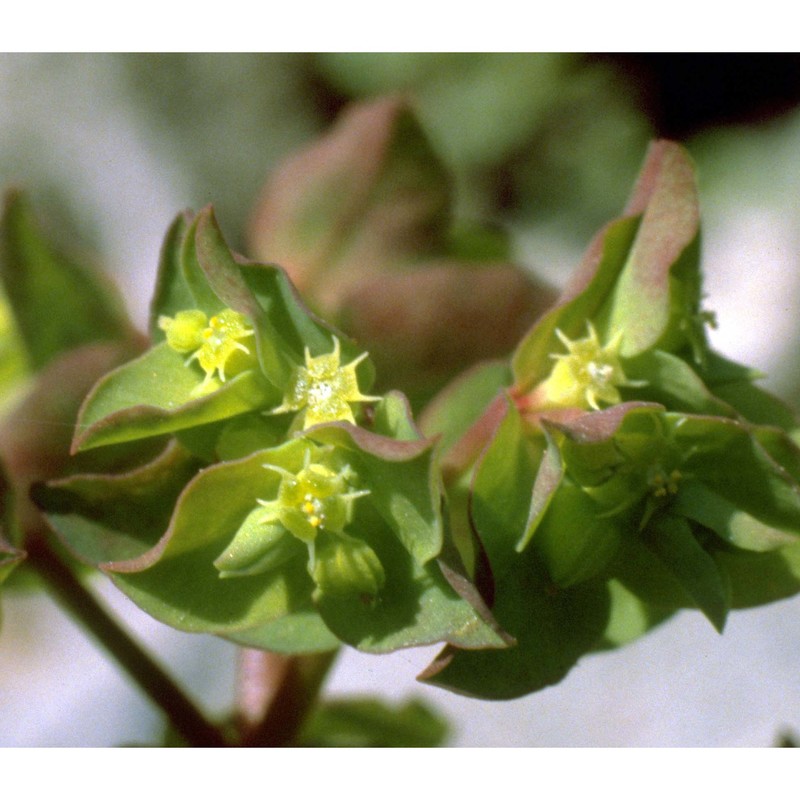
pixel 327 537
pixel 229 337
pixel 614 470
pixel 628 470
pixel 270 518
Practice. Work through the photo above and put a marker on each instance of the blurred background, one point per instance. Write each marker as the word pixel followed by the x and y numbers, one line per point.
pixel 547 146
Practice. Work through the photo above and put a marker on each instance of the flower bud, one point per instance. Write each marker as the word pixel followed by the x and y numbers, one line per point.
pixel 345 565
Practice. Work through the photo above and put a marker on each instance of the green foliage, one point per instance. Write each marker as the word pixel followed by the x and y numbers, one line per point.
pixel 309 523
pixel 58 304
pixel 370 723
pixel 235 476
pixel 362 221
pixel 616 464
pixel 62 326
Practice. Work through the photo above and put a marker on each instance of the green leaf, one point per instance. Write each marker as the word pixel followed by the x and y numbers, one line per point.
pixel 172 293
pixel 666 196
pixel 345 565
pixel 646 259
pixel 58 303
pixel 402 480
pixel 727 457
pixel 285 327
pixel 196 278
pixel 552 626
pixel 285 320
pixel 630 617
pixel 156 393
pixel 461 404
pixel 672 540
pixel 732 524
pixel 669 380
pixel 756 405
pixel 589 288
pixel 241 436
pixel 295 633
pixel 371 723
pixel 115 517
pixel 392 417
pixel 612 455
pixel 222 277
pixel 759 578
pixel 553 629
pixel 176 581
pixel 642 573
pixel 502 490
pixel 257 547
pixel 417 605
pixel 575 541
pixel 548 479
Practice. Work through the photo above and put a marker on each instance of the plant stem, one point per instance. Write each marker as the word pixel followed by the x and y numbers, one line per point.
pixel 292 684
pixel 259 676
pixel 150 677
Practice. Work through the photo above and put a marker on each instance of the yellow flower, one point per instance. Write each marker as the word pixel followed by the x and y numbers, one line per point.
pixel 587 374
pixel 316 498
pixel 212 342
pixel 315 505
pixel 323 390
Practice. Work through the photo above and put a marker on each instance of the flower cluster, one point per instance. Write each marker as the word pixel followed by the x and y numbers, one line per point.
pixel 635 470
pixel 214 343
pixel 312 506
pixel 640 418
pixel 305 522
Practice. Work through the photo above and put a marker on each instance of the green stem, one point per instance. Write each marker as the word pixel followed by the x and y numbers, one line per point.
pixel 86 610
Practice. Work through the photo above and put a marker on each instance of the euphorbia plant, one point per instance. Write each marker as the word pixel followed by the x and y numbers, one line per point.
pixel 557 484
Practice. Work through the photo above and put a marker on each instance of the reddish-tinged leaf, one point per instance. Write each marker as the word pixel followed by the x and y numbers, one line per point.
pixel 666 196
pixel 627 268
pixel 441 319
pixel 368 196
pixel 598 426
pixel 35 437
